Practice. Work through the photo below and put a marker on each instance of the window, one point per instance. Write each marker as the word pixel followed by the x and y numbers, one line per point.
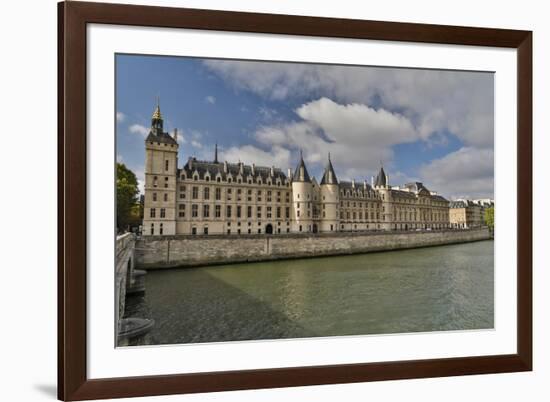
pixel 205 230
pixel 278 212
pixel 218 194
pixel 206 211
pixel 166 164
pixel 161 230
pixel 259 212
pixel 206 193
pixel 249 212
pixel 152 228
pixel 287 212
pixel 163 213
pixel 298 213
pixel 218 211
pixel 165 196
pixel 269 196
pixel 239 194
pixel 195 194
pixel 259 196
pixel 182 211
pixel 300 228
pixel 166 182
pixel 193 231
pixel 194 210
pixel 182 192
pixel 239 208
pixel 154 196
pixel 228 212
pixel 155 181
pixel 152 213
pixel 268 212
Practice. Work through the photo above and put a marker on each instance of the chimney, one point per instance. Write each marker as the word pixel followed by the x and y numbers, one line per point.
pixel 353 183
pixel 272 171
pixel 176 134
pixel 190 163
pixel 289 173
pixel 364 184
pixel 225 167
pixel 253 169
pixel 241 167
pixel 372 181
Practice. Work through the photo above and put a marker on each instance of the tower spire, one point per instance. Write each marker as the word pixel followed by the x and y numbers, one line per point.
pixel 216 153
pixel 156 119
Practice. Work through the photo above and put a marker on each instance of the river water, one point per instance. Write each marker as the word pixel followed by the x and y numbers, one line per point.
pixel 427 289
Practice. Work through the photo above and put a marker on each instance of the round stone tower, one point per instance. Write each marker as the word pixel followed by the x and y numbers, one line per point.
pixel 302 196
pixel 382 186
pixel 330 199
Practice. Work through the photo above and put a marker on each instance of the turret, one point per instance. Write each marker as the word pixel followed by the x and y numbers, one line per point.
pixel 329 213
pixel 302 194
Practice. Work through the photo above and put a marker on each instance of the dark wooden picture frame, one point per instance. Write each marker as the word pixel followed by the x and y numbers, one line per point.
pixel 73 383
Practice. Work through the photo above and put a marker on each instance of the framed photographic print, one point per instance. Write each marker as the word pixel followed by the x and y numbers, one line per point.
pixel 253 200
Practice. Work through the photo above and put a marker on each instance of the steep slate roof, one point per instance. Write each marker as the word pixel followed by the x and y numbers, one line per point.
pixel 234 169
pixel 164 138
pixel 301 165
pixel 402 193
pixel 329 177
pixel 381 178
pixel 348 185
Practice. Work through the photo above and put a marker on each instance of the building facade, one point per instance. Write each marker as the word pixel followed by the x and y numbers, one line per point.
pixel 215 197
pixel 466 214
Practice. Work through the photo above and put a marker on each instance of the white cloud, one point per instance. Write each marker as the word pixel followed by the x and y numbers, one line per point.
pixel 120 117
pixel 266 113
pixel 357 136
pixel 277 156
pixel 139 129
pixel 466 173
pixel 210 99
pixel 196 144
pixel 455 101
pixel 119 158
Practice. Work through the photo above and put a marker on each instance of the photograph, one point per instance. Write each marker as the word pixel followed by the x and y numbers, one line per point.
pixel 264 200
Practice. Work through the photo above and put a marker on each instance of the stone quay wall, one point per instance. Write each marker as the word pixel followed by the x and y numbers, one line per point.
pixel 187 251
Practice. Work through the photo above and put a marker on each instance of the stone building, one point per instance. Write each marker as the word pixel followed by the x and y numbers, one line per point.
pixel 466 214
pixel 215 197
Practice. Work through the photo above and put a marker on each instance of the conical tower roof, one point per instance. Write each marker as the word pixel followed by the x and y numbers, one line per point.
pixel 301 174
pixel 329 177
pixel 381 178
pixel 156 114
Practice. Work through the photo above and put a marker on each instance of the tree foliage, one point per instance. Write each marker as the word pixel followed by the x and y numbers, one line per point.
pixel 126 196
pixel 490 218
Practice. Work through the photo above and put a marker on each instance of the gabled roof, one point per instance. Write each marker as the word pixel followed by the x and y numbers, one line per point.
pixel 201 167
pixel 329 177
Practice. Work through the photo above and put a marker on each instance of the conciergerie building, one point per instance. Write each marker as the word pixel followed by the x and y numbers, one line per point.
pixel 215 197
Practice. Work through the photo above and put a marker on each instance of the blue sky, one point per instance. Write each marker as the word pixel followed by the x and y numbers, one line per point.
pixel 432 126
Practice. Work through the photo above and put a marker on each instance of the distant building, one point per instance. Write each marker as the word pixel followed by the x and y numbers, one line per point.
pixel 214 197
pixel 466 214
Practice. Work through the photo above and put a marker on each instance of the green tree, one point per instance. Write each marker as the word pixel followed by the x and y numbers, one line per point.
pixel 490 218
pixel 126 195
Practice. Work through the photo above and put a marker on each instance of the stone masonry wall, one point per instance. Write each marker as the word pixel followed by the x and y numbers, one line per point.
pixel 181 251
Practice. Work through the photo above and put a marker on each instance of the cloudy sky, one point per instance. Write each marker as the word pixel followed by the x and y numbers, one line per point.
pixel 432 126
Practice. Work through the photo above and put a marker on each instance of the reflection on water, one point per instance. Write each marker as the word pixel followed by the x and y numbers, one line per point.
pixel 428 289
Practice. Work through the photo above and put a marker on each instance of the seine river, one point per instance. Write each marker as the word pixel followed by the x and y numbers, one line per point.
pixel 428 289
